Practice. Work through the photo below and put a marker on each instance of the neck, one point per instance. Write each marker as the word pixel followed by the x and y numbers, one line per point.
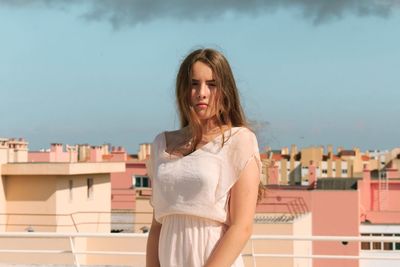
pixel 208 126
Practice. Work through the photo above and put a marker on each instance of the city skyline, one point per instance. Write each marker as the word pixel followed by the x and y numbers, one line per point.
pixel 309 73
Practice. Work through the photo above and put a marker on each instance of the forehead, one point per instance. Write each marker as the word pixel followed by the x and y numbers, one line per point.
pixel 201 70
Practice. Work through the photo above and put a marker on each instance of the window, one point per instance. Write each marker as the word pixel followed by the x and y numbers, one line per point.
pixel 365 245
pixel 325 171
pixel 387 245
pixel 71 186
pixel 89 182
pixel 141 181
pixel 397 244
pixel 377 245
pixel 344 171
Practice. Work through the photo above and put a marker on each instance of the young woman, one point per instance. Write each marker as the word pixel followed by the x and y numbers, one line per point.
pixel 206 175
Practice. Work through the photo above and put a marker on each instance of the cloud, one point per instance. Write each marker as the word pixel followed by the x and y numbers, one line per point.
pixel 122 13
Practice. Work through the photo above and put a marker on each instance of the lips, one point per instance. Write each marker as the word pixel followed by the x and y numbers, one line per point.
pixel 201 105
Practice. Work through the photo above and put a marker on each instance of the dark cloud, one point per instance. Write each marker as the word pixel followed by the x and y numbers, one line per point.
pixel 132 12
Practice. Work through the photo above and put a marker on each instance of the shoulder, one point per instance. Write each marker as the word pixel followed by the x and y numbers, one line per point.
pixel 168 137
pixel 158 138
pixel 241 139
pixel 242 135
pixel 172 137
pixel 243 130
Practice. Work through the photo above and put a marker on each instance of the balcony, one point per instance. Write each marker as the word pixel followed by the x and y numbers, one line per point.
pixel 122 249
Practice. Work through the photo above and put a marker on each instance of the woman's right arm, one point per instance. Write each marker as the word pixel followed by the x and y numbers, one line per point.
pixel 152 244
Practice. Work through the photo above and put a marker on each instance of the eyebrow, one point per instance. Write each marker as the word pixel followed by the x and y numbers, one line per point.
pixel 208 81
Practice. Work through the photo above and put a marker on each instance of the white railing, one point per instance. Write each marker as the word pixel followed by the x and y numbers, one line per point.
pixel 74 252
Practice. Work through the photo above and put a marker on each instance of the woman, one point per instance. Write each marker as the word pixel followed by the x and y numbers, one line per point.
pixel 205 176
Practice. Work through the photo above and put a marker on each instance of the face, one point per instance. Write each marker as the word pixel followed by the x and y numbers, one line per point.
pixel 203 91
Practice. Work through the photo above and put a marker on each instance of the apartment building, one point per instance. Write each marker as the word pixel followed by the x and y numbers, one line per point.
pixel 295 167
pixel 56 194
pixel 126 186
pixel 51 192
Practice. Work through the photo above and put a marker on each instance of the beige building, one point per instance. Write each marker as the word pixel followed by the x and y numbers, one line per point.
pixel 292 167
pixel 52 197
pixel 58 197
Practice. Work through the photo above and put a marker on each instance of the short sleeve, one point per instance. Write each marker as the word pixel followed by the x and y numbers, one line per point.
pixel 242 149
pixel 150 165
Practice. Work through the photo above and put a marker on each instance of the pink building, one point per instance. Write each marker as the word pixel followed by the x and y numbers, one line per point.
pixel 127 187
pixel 124 185
pixel 344 207
pixel 327 218
pixel 56 153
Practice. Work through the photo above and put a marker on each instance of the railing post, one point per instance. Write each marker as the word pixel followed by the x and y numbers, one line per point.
pixel 252 253
pixel 310 253
pixel 72 244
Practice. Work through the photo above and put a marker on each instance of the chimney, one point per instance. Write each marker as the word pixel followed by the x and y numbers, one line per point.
pixel 273 173
pixel 96 154
pixel 293 150
pixel 366 173
pixel 357 151
pixel 330 151
pixel 144 151
pixel 312 175
pixel 105 149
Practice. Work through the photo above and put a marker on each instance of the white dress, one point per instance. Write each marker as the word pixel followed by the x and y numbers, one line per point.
pixel 191 195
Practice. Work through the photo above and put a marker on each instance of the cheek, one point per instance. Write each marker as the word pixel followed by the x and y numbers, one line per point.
pixel 214 97
pixel 192 96
pixel 213 102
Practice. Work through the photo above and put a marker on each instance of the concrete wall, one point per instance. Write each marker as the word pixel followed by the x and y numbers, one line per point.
pixel 302 227
pixel 275 246
pixel 123 194
pixel 3 154
pixel 3 210
pixel 88 214
pixel 390 201
pixel 145 212
pixel 53 156
pixel 299 226
pixel 117 244
pixel 327 217
pixel 335 213
pixel 37 156
pixel 45 203
pixel 380 206
pixel 35 244
pixel 31 202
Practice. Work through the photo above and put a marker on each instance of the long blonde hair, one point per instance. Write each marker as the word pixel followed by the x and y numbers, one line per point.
pixel 228 107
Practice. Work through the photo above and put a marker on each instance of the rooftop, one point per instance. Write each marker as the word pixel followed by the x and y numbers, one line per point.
pixel 60 168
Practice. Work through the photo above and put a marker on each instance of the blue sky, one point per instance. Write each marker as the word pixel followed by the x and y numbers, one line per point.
pixel 103 73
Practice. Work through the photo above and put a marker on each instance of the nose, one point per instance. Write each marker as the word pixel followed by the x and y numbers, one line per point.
pixel 201 93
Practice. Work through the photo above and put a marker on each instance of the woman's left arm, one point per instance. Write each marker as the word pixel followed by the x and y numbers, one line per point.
pixel 242 204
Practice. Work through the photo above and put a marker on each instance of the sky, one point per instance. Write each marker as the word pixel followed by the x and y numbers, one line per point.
pixel 309 72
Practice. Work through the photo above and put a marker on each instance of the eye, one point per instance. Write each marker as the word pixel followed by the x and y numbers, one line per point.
pixel 212 85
